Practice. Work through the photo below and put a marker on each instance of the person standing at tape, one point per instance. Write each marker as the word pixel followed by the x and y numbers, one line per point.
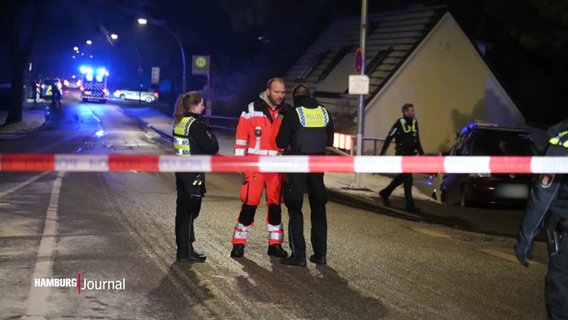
pixel 547 209
pixel 191 137
pixel 307 130
pixel 406 134
pixel 255 136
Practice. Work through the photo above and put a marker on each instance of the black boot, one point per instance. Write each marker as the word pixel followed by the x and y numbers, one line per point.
pixel 238 250
pixel 294 261
pixel 318 259
pixel 385 197
pixel 277 251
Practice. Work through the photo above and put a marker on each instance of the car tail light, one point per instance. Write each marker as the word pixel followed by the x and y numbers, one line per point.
pixel 156 94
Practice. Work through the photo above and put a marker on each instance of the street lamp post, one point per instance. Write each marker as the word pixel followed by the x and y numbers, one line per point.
pixel 145 21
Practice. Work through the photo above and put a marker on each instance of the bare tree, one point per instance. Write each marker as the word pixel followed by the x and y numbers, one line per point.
pixel 21 21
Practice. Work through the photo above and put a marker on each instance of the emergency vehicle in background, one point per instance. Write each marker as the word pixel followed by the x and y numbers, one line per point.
pixel 94 86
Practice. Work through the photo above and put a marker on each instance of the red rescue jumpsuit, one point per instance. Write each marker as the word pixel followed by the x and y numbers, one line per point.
pixel 256 132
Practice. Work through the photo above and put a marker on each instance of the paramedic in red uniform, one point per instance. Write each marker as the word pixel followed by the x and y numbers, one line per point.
pixel 256 131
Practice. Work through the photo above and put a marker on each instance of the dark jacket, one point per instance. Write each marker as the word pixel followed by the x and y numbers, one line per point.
pixel 406 134
pixel 549 196
pixel 286 137
pixel 201 139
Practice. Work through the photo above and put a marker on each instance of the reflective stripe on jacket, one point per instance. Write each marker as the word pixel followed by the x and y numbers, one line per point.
pixel 256 130
pixel 560 140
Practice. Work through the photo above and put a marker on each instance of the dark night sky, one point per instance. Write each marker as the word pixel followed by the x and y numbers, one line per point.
pixel 229 30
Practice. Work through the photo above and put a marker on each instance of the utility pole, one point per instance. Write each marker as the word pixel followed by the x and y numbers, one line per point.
pixel 361 113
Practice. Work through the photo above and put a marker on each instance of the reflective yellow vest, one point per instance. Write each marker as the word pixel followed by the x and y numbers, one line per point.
pixel 408 128
pixel 311 136
pixel 313 117
pixel 181 140
pixel 560 140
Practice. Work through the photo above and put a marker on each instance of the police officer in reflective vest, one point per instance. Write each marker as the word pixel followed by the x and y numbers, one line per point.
pixel 191 137
pixel 305 130
pixel 406 134
pixel 547 210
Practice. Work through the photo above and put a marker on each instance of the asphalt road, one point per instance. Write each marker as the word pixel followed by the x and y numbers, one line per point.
pixel 118 227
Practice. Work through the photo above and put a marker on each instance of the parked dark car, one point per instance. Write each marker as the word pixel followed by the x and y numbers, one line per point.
pixel 503 190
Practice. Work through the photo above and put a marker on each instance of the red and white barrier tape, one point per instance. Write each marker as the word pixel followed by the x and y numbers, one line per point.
pixel 361 164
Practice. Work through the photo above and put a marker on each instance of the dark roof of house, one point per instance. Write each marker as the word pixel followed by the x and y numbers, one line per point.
pixel 391 38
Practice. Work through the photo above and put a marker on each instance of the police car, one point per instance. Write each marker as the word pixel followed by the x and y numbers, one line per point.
pixel 505 190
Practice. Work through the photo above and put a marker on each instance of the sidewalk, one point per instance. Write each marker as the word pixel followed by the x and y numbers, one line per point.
pixel 33 117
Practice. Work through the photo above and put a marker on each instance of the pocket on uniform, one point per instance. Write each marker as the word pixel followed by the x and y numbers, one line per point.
pixel 244 190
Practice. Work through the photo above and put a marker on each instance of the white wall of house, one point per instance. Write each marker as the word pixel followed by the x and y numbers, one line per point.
pixel 450 85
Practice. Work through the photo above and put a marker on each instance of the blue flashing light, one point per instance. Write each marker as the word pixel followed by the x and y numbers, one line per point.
pixel 468 128
pixel 89 70
pixel 86 70
pixel 102 71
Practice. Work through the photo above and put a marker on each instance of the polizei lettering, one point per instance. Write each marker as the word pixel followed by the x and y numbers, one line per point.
pixel 311 116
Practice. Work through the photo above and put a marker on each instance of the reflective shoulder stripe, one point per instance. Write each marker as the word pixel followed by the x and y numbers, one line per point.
pixel 560 140
pixel 251 112
pixel 408 128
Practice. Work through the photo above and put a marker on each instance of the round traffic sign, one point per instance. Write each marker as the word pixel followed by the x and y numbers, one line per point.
pixel 358 60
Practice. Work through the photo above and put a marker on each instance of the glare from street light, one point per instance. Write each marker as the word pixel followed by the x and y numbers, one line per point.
pixel 142 21
pixel 114 36
pixel 89 42
pixel 76 48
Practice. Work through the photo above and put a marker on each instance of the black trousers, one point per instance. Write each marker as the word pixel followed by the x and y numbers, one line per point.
pixel 297 184
pixel 556 283
pixel 188 205
pixel 405 178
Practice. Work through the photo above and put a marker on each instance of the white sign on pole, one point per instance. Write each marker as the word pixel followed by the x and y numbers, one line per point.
pixel 155 75
pixel 358 84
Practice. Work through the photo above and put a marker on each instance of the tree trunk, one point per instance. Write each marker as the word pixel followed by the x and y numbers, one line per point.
pixel 17 90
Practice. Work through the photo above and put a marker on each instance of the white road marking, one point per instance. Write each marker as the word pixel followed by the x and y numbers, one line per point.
pixel 37 304
pixel 430 232
pixel 506 256
pixel 23 184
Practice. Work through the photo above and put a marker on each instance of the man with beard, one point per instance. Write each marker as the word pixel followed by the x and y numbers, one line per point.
pixel 256 130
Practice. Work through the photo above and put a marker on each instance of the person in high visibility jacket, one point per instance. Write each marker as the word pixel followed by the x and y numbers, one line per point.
pixel 307 130
pixel 407 138
pixel 547 210
pixel 191 137
pixel 256 129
